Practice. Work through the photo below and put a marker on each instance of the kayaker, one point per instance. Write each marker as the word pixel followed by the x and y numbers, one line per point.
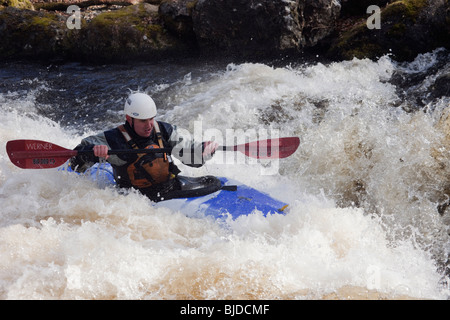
pixel 154 174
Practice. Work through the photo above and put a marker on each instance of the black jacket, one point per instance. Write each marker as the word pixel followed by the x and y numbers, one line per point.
pixel 184 148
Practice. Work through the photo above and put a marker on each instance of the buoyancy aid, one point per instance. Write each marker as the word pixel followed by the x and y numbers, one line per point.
pixel 148 169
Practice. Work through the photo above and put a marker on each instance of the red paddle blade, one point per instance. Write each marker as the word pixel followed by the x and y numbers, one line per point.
pixel 270 149
pixel 37 154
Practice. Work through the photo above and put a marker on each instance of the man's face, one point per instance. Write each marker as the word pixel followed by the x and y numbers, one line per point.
pixel 143 127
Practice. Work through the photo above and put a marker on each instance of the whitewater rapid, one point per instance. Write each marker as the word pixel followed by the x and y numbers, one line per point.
pixel 362 190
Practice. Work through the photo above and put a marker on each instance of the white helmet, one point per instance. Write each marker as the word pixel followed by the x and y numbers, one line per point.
pixel 140 106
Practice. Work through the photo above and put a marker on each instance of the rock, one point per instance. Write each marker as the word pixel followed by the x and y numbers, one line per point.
pixel 319 20
pixel 408 27
pixel 177 17
pixel 127 34
pixel 247 27
pixel 359 7
pixel 31 34
pixel 261 27
pixel 243 28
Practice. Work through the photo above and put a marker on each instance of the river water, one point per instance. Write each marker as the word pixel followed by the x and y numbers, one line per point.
pixel 363 188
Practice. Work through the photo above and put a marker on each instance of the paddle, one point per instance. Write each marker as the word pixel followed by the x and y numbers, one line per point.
pixel 267 149
pixel 38 154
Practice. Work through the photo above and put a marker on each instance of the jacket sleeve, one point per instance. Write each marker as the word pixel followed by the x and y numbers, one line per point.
pixel 82 162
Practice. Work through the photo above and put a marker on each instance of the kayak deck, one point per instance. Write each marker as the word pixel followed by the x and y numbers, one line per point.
pixel 220 204
pixel 234 202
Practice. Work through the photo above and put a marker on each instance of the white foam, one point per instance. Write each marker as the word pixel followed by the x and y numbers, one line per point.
pixel 62 237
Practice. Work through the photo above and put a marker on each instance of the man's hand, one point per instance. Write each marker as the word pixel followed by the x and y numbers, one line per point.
pixel 209 149
pixel 101 151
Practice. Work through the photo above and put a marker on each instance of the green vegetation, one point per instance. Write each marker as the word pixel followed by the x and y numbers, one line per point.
pixel 133 31
pixel 398 19
pixel 21 4
pixel 408 9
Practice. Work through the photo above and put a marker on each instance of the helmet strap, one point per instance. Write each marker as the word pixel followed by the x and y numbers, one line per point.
pixel 130 121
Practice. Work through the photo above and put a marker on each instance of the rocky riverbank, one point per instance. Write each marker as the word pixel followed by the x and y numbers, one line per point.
pixel 129 30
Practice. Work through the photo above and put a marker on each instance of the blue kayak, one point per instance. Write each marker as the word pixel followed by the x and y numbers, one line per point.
pixel 232 199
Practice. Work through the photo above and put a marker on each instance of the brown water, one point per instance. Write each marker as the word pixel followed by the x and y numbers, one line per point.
pixel 363 187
